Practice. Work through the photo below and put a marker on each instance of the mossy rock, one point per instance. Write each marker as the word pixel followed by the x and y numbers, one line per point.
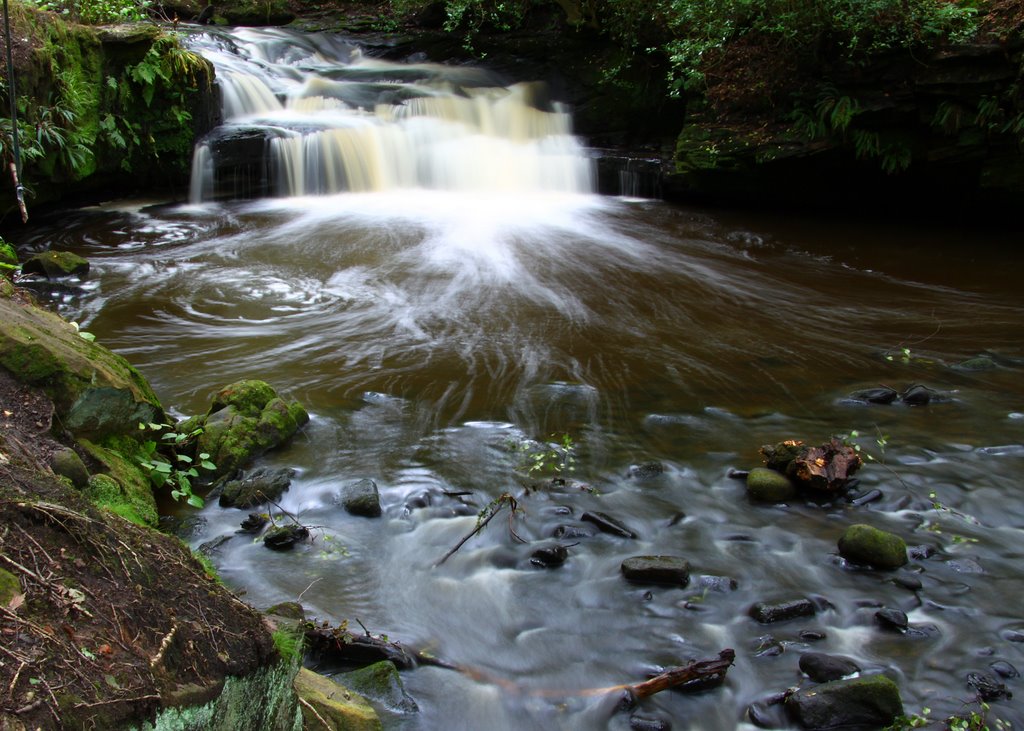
pixel 381 683
pixel 247 397
pixel 866 702
pixel 126 490
pixel 56 264
pixel 865 544
pixel 66 463
pixel 246 419
pixel 10 587
pixel 95 392
pixel 767 485
pixel 334 703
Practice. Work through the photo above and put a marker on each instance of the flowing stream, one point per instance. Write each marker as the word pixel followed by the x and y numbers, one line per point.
pixel 424 265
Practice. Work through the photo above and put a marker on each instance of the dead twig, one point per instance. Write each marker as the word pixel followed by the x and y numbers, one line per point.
pixel 312 710
pixel 494 508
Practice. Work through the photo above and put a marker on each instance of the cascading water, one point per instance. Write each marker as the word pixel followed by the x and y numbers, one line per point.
pixel 468 296
pixel 331 120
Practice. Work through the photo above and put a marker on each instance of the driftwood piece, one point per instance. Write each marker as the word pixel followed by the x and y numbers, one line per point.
pixel 696 676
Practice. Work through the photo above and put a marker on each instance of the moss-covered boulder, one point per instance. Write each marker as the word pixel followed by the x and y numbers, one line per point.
pixel 767 485
pixel 382 684
pixel 123 487
pixel 865 544
pixel 246 419
pixel 95 392
pixel 866 702
pixel 56 264
pixel 333 703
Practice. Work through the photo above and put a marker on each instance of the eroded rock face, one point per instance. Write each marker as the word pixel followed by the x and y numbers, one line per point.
pixel 95 392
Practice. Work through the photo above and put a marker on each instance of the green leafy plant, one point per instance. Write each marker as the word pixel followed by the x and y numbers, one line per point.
pixel 553 458
pixel 97 12
pixel 169 467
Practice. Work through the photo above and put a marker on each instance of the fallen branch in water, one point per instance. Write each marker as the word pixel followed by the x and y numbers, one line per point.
pixel 486 516
pixel 698 675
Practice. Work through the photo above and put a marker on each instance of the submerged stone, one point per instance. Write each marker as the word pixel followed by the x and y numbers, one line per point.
pixel 258 487
pixel 607 524
pixel 822 668
pixel 894 619
pixel 284 538
pixel 56 264
pixel 549 557
pixel 881 395
pixel 362 498
pixel 767 485
pixel 766 613
pixel 670 570
pixel 646 470
pixel 864 544
pixel 870 702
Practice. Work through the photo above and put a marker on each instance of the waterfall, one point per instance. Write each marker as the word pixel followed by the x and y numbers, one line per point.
pixel 308 114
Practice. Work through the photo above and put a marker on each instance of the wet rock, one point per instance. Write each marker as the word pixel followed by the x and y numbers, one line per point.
pixel 811 635
pixel 646 471
pixel 863 498
pixel 892 619
pixel 918 396
pixel 362 498
pixel 284 538
pixel 768 646
pixel 766 613
pixel 921 553
pixel 66 463
pixel 718 584
pixel 768 712
pixel 56 264
pixel 212 547
pixel 987 687
pixel 381 683
pixel 965 566
pixel 767 485
pixel 1004 669
pixel 607 524
pixel 254 523
pixel 882 395
pixel 978 363
pixel 738 474
pixel 871 702
pixel 823 668
pixel 908 582
pixel 572 531
pixel 670 570
pixel 648 723
pixel 549 557
pixel 418 502
pixel 256 488
pixel 864 544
